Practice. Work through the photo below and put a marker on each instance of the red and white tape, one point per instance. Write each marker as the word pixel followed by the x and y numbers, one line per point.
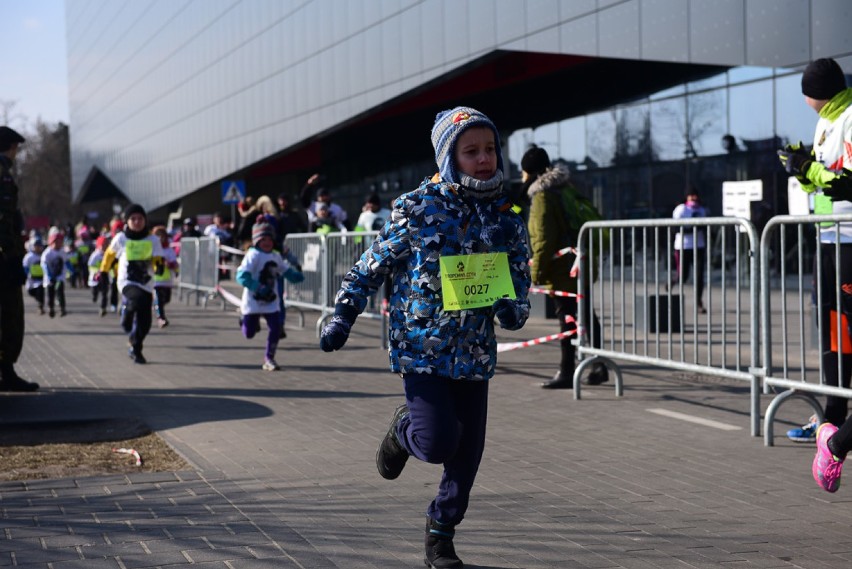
pixel 233 299
pixel 549 292
pixel 508 346
pixel 131 452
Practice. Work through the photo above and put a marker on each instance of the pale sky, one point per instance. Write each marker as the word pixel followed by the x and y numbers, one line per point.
pixel 34 72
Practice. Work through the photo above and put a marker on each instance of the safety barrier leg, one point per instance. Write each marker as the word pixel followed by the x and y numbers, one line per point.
pixel 611 366
pixel 769 421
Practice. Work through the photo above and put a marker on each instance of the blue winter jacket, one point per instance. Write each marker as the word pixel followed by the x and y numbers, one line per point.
pixel 429 222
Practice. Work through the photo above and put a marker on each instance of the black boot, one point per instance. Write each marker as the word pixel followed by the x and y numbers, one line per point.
pixel 559 381
pixel 391 456
pixel 598 375
pixel 11 381
pixel 564 378
pixel 440 553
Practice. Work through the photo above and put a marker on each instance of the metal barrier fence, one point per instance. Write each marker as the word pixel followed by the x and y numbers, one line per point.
pixel 804 324
pixel 325 260
pixel 646 319
pixel 647 316
pixel 199 274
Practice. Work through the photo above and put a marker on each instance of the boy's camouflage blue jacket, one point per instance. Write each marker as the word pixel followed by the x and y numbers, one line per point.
pixel 429 222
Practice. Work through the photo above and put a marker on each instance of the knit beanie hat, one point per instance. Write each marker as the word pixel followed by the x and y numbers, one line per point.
pixel 134 208
pixel 823 79
pixel 261 229
pixel 535 161
pixel 54 234
pixel 449 125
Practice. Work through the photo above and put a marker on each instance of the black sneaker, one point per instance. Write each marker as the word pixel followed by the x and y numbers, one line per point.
pixel 440 552
pixel 391 456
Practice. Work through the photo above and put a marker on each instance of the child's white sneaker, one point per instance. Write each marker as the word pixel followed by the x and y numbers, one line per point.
pixel 270 365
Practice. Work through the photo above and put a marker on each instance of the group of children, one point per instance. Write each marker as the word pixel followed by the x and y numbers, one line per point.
pixel 141 265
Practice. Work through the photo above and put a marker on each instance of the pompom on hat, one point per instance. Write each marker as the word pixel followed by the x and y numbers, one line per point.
pixel 449 125
pixel 823 79
pixel 261 229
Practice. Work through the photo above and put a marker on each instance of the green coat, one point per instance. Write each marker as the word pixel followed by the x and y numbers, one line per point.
pixel 551 230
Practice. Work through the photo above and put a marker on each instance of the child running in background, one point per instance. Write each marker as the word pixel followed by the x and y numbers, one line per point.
pixel 259 273
pixel 163 283
pixel 53 265
pixel 140 257
pixel 35 274
pixel 94 268
pixel 72 263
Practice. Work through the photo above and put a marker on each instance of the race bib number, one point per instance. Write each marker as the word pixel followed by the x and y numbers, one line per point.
pixel 139 250
pixel 474 281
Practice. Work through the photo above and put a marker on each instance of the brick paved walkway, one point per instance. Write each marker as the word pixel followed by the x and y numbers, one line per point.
pixel 284 472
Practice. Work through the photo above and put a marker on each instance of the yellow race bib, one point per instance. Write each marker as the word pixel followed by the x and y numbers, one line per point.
pixel 139 250
pixel 474 281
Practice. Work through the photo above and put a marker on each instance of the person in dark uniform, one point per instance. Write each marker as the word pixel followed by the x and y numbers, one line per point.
pixel 12 276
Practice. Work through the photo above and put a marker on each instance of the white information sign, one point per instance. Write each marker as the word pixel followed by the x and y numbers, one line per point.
pixel 737 197
pixel 310 261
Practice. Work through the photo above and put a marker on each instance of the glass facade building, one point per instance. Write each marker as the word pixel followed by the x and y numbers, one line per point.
pixel 639 157
pixel 170 99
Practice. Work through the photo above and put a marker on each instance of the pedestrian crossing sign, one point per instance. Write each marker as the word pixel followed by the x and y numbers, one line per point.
pixel 233 191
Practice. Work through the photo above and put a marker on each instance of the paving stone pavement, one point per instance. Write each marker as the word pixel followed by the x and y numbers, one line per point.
pixel 284 474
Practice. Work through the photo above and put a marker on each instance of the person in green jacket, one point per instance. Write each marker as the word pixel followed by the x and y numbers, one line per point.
pixel 556 215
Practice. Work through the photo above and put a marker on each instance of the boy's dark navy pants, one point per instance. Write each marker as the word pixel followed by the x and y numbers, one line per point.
pixel 446 425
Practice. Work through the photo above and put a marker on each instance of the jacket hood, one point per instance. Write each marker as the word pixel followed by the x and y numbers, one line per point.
pixel 551 178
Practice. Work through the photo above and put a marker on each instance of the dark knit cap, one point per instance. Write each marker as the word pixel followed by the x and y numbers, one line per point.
pixel 823 79
pixel 449 125
pixel 535 161
pixel 134 208
pixel 261 229
pixel 8 137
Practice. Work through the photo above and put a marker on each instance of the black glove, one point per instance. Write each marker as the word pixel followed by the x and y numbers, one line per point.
pixel 507 314
pixel 336 332
pixel 839 189
pixel 796 163
pixel 264 294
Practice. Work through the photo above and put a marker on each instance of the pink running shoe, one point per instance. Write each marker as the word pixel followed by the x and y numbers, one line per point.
pixel 826 467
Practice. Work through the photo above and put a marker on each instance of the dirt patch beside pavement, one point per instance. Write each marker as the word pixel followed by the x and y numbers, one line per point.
pixel 62 449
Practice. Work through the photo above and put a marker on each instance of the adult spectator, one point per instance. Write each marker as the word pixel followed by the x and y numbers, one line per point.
pixel 248 211
pixel 289 221
pixel 323 196
pixel 690 246
pixel 189 228
pixel 373 215
pixel 12 275
pixel 218 229
pixel 555 220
